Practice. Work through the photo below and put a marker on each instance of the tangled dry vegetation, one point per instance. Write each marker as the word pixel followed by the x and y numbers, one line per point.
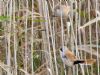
pixel 30 36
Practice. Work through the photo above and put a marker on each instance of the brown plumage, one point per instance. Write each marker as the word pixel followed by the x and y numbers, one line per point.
pixel 70 59
pixel 90 61
pixel 64 9
pixel 70 55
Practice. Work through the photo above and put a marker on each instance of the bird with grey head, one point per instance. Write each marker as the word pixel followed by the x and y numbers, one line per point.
pixel 62 10
pixel 69 58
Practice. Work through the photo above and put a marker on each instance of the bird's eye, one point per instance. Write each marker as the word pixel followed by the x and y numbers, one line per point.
pixel 61 49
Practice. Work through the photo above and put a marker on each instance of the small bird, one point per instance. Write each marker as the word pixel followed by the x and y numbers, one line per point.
pixel 70 59
pixel 61 10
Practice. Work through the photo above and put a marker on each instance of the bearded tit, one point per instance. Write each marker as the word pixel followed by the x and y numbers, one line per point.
pixel 61 10
pixel 70 59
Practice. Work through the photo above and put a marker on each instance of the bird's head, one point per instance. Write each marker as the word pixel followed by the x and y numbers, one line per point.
pixel 62 10
pixel 64 48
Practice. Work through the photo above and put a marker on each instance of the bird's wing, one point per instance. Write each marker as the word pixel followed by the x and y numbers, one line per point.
pixel 70 55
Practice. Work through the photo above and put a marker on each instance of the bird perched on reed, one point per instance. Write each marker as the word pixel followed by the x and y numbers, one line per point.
pixel 70 59
pixel 61 10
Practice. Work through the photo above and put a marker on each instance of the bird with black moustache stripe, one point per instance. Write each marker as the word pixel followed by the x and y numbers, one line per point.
pixel 70 59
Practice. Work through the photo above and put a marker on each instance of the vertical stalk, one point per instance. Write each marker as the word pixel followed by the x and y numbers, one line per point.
pixel 79 33
pixel 26 38
pixel 97 41
pixel 90 34
pixel 15 40
pixel 32 34
pixel 1 7
pixel 45 9
pixel 9 13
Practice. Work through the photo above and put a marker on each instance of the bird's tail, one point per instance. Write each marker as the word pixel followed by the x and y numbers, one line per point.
pixel 86 62
pixel 90 61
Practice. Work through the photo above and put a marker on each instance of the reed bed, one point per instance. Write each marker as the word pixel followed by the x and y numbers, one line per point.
pixel 30 36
